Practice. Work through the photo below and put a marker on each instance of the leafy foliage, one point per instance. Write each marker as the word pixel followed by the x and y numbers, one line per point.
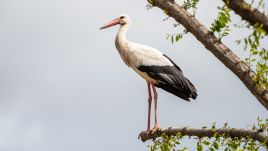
pixel 167 143
pixel 217 142
pixel 256 51
pixel 175 37
pixel 220 25
pixel 190 4
pixel 258 55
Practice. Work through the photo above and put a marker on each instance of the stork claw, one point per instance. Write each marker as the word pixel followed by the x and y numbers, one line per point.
pixel 154 130
pixel 150 131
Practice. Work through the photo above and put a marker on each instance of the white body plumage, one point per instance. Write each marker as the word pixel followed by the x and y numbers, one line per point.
pixel 152 65
pixel 135 55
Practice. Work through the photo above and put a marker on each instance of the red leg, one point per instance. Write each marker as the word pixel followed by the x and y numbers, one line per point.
pixel 156 126
pixel 149 105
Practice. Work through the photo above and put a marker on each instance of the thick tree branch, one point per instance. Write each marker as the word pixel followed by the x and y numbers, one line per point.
pixel 222 52
pixel 248 13
pixel 204 132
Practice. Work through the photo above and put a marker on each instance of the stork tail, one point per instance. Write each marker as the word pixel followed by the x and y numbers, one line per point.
pixel 178 92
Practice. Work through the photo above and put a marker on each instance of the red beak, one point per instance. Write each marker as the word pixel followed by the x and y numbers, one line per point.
pixel 112 23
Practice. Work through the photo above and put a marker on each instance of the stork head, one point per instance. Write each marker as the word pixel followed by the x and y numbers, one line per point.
pixel 121 20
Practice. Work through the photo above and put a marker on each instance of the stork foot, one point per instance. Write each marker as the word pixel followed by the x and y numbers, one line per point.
pixel 154 130
pixel 150 131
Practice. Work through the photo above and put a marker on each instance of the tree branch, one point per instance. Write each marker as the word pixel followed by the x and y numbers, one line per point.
pixel 248 13
pixel 204 132
pixel 222 52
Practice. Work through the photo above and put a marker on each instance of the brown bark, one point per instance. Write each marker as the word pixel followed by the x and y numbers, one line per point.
pixel 222 52
pixel 231 132
pixel 248 13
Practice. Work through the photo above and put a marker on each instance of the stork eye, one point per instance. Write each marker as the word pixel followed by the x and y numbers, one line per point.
pixel 122 17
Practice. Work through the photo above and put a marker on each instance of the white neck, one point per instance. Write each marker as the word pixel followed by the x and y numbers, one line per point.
pixel 121 43
pixel 121 34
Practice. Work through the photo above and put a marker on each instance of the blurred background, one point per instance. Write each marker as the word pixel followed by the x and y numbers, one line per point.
pixel 64 87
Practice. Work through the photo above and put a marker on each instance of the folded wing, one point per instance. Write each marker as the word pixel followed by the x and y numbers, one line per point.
pixel 171 79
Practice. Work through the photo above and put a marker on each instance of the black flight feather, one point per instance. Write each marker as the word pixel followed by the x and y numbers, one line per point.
pixel 171 79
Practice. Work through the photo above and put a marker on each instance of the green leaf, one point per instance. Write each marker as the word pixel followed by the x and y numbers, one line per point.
pixel 255 52
pixel 211 149
pixel 205 142
pixel 199 146
pixel 177 38
pixel 216 145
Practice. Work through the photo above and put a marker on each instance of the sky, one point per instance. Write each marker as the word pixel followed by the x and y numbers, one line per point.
pixel 64 87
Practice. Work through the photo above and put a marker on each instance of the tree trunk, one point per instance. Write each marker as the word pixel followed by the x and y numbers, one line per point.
pixel 248 13
pixel 222 52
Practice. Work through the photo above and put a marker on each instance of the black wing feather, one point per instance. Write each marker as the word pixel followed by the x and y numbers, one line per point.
pixel 171 79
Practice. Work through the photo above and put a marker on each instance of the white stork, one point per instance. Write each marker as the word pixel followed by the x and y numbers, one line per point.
pixel 155 67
